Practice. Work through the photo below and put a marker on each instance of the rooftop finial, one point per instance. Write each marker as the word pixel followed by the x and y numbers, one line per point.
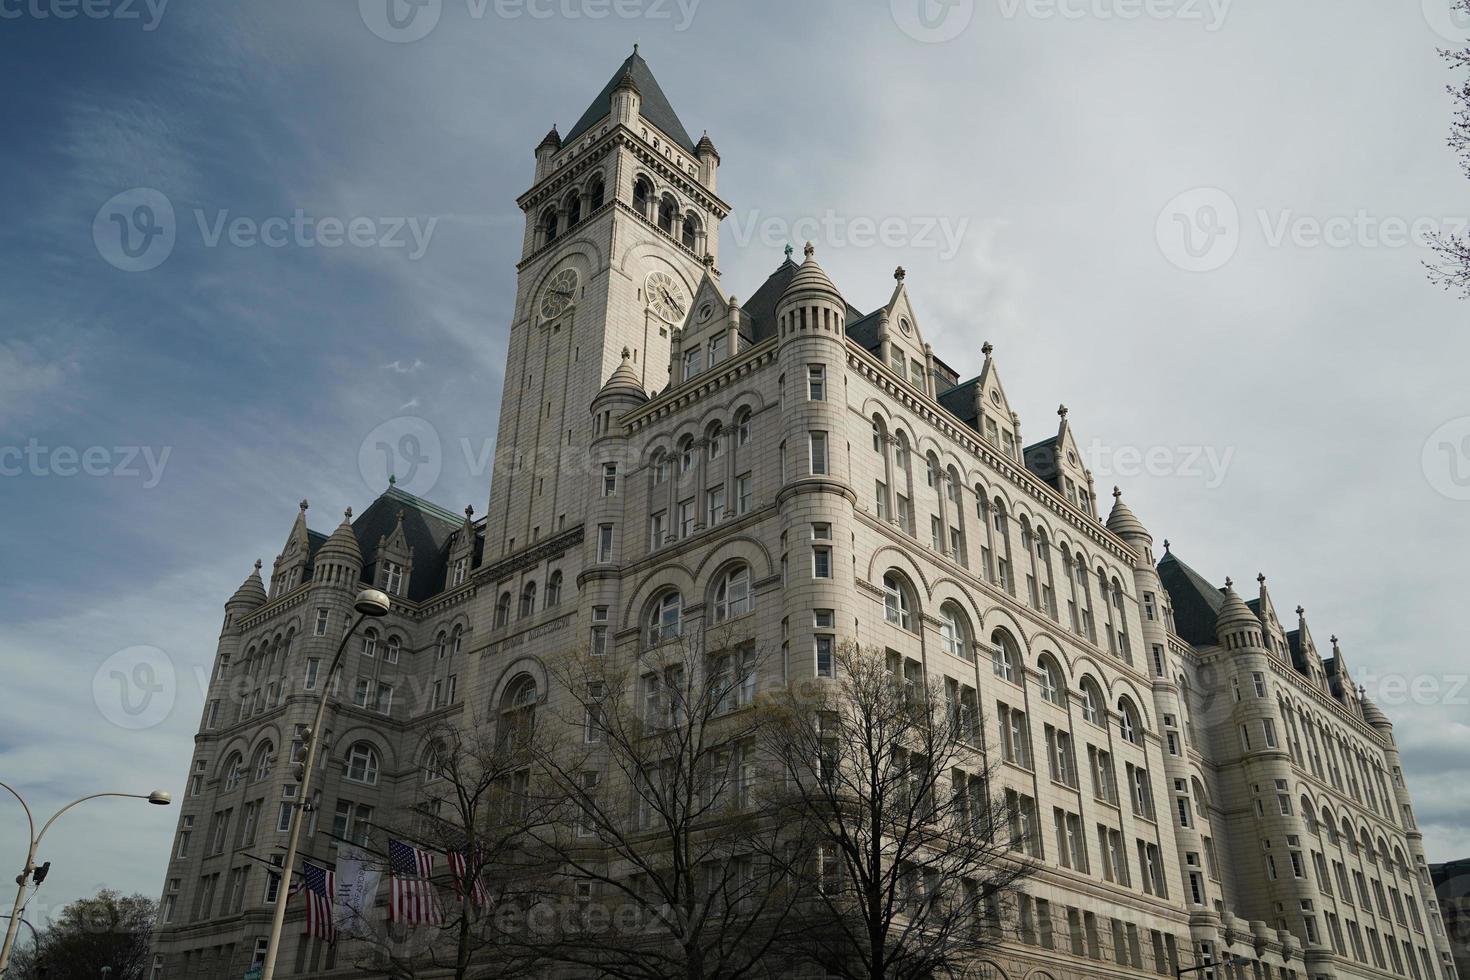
pixel 1261 577
pixel 789 250
pixel 986 348
pixel 1062 411
pixel 469 510
pixel 304 503
pixel 899 273
pixel 1333 639
pixel 392 480
pixel 1117 493
pixel 1300 611
pixel 1229 584
pixel 257 564
pixel 627 354
pixel 635 47
pixel 810 250
pixel 1166 545
pixel 347 514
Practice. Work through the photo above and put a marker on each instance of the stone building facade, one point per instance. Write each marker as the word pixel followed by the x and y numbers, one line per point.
pixel 1195 779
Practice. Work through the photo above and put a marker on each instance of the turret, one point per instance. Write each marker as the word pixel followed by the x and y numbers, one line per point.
pixel 709 162
pixel 249 597
pixel 549 146
pixel 339 559
pixel 627 100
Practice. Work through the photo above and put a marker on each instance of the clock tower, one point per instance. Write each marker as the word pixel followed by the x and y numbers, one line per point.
pixel 622 228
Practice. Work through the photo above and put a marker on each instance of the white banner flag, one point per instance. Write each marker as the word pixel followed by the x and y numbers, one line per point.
pixel 357 890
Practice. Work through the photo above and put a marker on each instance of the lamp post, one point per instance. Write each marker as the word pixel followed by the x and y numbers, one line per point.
pixel 1231 961
pixel 369 602
pixel 158 797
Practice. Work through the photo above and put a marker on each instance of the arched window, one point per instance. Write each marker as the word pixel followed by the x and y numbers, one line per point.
pixel 1052 687
pixel 502 609
pixel 954 628
pixel 440 647
pixel 362 764
pixel 690 231
pixel 369 642
pixel 665 618
pixel 1092 702
pixel 1128 723
pixel 395 646
pixel 880 434
pixel 574 210
pixel 931 470
pixel 667 209
pixel 553 589
pixel 596 193
pixel 732 594
pixel 518 712
pixel 433 762
pixel 528 600
pixel 456 638
pixel 1004 659
pixel 642 195
pixel 901 451
pixel 998 517
pixel 952 489
pixel 686 454
pixel 234 770
pixel 261 764
pixel 1329 827
pixel 742 427
pixel 1201 803
pixel 896 607
pixel 714 437
pixel 548 225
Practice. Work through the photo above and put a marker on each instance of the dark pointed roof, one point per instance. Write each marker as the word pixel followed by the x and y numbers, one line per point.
pixel 760 309
pixel 1196 602
pixel 655 108
pixel 426 526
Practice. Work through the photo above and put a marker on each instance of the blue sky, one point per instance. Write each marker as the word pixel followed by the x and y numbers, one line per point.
pixel 1027 156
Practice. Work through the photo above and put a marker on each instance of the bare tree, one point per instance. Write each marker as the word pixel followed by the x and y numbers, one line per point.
pixel 667 861
pixel 1452 270
pixel 107 931
pixel 913 855
pixel 476 801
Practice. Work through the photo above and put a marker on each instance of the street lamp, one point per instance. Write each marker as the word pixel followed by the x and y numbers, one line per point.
pixel 1231 961
pixel 157 797
pixel 369 602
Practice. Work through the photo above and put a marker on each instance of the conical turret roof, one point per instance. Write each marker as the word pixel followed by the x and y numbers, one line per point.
pixel 342 543
pixel 810 277
pixel 1122 522
pixel 625 380
pixel 251 592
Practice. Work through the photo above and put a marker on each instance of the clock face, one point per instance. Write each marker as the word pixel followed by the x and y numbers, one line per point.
pixel 559 294
pixel 666 297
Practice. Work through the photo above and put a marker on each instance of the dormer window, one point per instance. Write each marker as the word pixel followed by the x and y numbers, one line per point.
pixel 717 349
pixel 691 362
pixel 461 566
pixel 392 577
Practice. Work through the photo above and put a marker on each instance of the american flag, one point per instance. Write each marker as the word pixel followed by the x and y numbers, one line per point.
pixel 320 885
pixel 459 871
pixel 410 895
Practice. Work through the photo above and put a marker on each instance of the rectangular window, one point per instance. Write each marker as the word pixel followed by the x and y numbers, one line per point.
pixel 1258 679
pixel 657 529
pixel 715 506
pixel 605 543
pixel 392 577
pixel 609 479
pixel 716 349
pixel 313 666
pixel 821 562
pixel 825 666
pixel 819 453
pixel 321 622
pixel 691 362
pixel 905 514
pixel 744 494
pixel 816 382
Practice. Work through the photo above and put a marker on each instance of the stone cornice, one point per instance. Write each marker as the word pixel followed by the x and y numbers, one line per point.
pixel 721 376
pixel 620 135
pixel 557 544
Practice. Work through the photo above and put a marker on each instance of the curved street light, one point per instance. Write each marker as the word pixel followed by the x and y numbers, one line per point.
pixel 369 602
pixel 158 797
